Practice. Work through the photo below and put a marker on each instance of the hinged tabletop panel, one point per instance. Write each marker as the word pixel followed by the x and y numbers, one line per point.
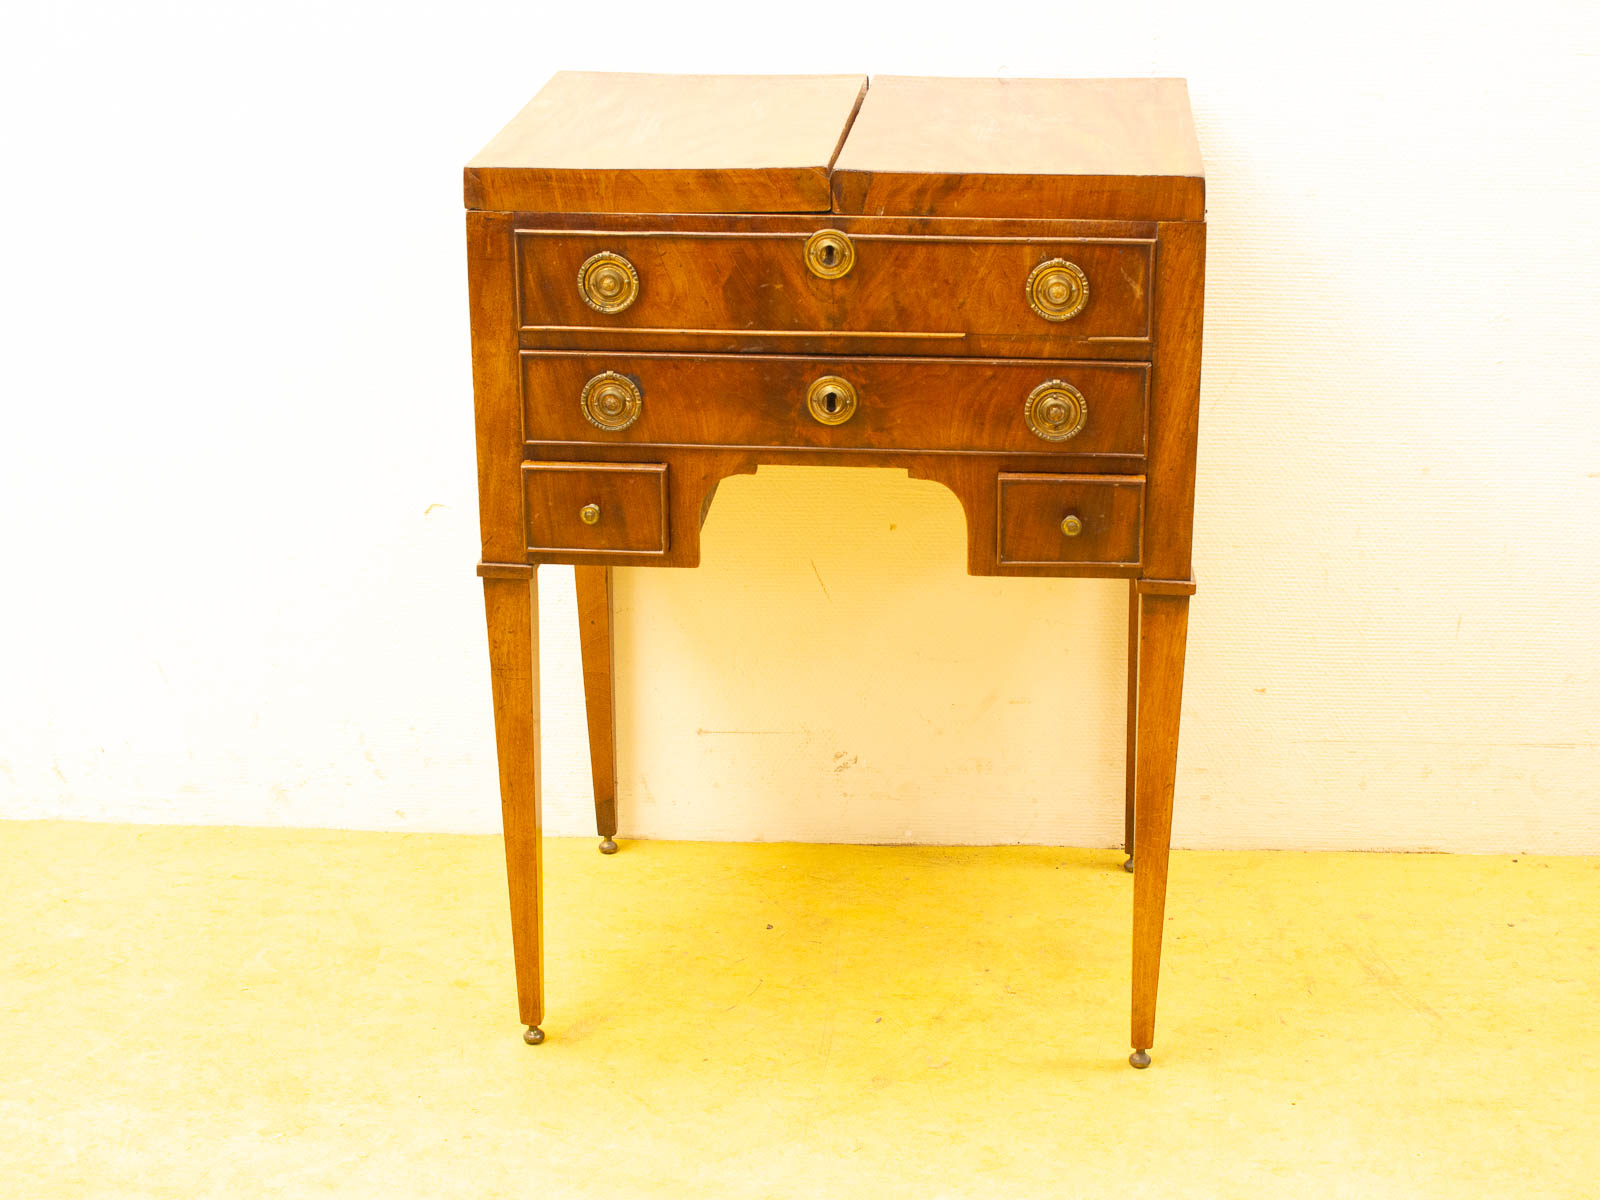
pixel 1092 149
pixel 592 142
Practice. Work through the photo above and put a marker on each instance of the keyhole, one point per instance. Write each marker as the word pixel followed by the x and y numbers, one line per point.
pixel 830 400
pixel 829 254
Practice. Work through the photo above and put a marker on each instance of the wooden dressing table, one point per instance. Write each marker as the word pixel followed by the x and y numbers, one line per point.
pixel 993 284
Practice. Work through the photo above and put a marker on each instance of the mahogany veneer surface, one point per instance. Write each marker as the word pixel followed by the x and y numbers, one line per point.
pixel 1111 148
pixel 594 142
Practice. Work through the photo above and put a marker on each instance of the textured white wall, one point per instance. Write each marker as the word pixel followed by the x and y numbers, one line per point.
pixel 238 495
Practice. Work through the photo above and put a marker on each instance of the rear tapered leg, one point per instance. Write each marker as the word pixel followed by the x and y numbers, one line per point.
pixel 512 610
pixel 1163 630
pixel 594 627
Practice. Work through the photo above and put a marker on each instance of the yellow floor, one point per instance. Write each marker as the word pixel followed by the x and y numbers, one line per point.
pixel 243 1012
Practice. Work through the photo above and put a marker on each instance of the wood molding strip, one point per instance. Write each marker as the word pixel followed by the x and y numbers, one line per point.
pixel 497 570
pixel 1166 587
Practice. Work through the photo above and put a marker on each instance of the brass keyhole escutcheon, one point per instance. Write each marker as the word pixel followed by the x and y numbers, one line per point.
pixel 1071 526
pixel 832 400
pixel 830 254
pixel 611 402
pixel 589 514
pixel 1058 290
pixel 608 282
pixel 1056 410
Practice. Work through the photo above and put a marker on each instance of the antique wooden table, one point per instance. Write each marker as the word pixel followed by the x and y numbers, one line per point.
pixel 993 284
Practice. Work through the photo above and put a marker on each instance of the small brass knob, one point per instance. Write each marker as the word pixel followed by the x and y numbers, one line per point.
pixel 1058 290
pixel 832 400
pixel 1056 411
pixel 611 402
pixel 608 282
pixel 1071 526
pixel 589 514
pixel 830 254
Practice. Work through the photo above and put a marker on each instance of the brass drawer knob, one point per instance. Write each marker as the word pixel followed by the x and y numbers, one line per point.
pixel 830 254
pixel 608 282
pixel 589 514
pixel 1070 525
pixel 832 400
pixel 1058 290
pixel 611 402
pixel 1056 410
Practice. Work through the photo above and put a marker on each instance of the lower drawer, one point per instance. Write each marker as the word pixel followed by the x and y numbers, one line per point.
pixel 1071 519
pixel 862 403
pixel 609 508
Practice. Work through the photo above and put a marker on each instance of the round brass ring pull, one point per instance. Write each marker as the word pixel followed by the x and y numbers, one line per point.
pixel 608 282
pixel 611 402
pixel 1071 526
pixel 1058 290
pixel 832 400
pixel 589 514
pixel 1056 411
pixel 830 254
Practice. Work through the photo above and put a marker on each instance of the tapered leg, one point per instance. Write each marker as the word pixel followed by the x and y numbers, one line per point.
pixel 1163 630
pixel 1132 759
pixel 594 625
pixel 512 609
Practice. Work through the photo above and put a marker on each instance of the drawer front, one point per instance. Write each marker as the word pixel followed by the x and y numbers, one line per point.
pixel 777 401
pixel 604 507
pixel 1071 519
pixel 898 285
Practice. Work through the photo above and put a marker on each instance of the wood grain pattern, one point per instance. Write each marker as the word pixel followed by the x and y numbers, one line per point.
pixel 594 632
pixel 1163 631
pixel 511 608
pixel 631 500
pixel 1032 508
pixel 1023 147
pixel 751 400
pixel 902 284
pixel 595 142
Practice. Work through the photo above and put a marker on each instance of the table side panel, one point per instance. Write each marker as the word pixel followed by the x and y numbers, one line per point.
pixel 1175 400
pixel 495 387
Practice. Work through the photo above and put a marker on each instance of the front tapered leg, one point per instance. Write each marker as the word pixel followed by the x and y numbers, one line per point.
pixel 1163 630
pixel 594 628
pixel 512 609
pixel 1131 760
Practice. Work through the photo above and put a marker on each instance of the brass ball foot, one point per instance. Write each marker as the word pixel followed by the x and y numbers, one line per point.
pixel 1128 864
pixel 608 845
pixel 533 1036
pixel 1139 1059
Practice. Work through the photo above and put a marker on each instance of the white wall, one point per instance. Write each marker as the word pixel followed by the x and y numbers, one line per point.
pixel 238 497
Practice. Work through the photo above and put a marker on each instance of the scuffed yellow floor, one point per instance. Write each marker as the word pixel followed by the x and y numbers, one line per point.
pixel 245 1012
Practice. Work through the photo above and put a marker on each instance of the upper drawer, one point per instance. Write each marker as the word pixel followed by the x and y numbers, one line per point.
pixel 1035 294
pixel 947 404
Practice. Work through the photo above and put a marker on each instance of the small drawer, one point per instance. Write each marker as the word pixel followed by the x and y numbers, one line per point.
pixel 1071 519
pixel 609 508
